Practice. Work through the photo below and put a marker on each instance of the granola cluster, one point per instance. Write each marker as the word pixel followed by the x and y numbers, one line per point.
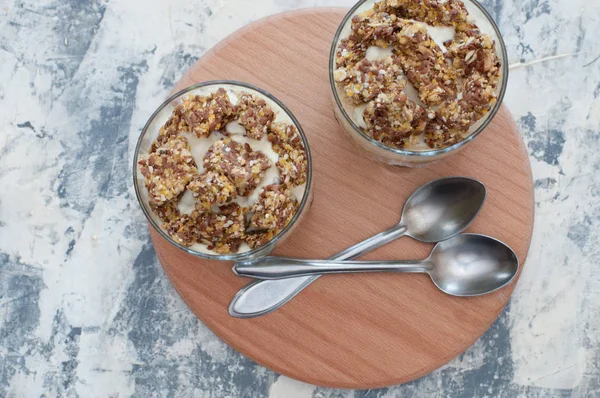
pixel 392 117
pixel 244 167
pixel 255 115
pixel 292 163
pixel 456 87
pixel 272 211
pixel 168 170
pixel 198 114
pixel 229 170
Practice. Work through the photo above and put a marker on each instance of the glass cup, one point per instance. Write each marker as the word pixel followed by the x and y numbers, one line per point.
pixel 149 134
pixel 414 158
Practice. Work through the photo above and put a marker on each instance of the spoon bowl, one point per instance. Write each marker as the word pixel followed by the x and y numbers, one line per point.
pixel 443 208
pixel 471 265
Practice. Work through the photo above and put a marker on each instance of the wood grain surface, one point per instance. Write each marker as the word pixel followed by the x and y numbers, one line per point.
pixel 362 330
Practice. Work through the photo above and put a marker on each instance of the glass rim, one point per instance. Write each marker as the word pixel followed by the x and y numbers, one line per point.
pixel 432 152
pixel 236 256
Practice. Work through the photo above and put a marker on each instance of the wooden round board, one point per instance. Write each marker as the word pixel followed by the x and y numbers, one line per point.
pixel 361 330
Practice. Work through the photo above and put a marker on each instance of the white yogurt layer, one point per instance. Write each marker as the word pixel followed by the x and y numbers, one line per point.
pixel 199 147
pixel 439 35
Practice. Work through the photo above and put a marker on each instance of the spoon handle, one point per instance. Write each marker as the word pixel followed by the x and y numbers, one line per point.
pixel 282 267
pixel 262 297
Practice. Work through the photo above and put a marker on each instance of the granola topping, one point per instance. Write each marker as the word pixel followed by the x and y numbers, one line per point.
pixel 416 74
pixel 226 172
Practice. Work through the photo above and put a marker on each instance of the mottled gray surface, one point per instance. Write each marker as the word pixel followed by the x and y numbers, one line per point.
pixel 85 308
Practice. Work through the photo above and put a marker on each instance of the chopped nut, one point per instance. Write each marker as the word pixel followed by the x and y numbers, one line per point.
pixel 340 75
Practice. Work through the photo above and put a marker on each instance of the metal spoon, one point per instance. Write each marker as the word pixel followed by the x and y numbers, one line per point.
pixel 436 211
pixel 465 265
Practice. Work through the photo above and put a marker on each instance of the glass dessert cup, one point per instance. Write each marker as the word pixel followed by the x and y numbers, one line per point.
pixel 150 133
pixel 407 157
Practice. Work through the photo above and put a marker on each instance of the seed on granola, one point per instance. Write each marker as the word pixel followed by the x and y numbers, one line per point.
pixel 425 65
pixel 434 12
pixel 475 55
pixel 292 165
pixel 200 114
pixel 367 79
pixel 292 162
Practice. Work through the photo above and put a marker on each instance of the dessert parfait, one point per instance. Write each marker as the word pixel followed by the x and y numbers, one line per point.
pixel 222 169
pixel 416 77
